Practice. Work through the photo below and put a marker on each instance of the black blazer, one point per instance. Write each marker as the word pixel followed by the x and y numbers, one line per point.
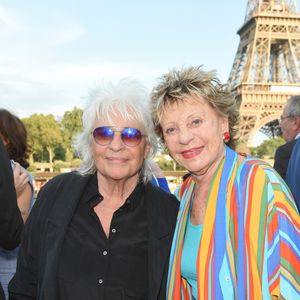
pixel 11 222
pixel 282 157
pixel 45 229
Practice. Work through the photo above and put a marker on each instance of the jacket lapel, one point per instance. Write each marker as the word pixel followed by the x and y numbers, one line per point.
pixel 159 241
pixel 66 197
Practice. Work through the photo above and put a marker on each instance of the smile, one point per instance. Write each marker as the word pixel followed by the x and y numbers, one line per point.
pixel 191 153
pixel 117 159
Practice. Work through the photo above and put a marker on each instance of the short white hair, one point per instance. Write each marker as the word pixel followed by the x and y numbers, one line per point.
pixel 293 106
pixel 130 99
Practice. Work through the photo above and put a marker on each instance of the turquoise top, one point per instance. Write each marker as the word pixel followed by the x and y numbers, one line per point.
pixel 192 239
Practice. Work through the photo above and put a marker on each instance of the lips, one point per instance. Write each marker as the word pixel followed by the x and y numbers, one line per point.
pixel 191 153
pixel 117 159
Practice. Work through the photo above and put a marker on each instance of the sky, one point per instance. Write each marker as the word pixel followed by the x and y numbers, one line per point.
pixel 53 52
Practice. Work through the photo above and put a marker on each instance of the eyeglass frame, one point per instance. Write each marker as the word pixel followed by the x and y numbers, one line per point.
pixel 119 130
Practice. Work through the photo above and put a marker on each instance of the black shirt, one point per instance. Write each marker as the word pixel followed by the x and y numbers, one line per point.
pixel 92 266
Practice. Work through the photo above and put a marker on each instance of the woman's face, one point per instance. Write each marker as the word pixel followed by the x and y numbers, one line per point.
pixel 116 160
pixel 193 132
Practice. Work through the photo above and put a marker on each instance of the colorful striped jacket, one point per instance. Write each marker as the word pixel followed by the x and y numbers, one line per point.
pixel 250 246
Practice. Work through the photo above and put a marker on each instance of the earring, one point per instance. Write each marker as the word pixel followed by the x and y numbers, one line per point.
pixel 226 136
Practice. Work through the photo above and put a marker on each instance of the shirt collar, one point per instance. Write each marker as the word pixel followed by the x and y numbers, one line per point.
pixel 91 191
pixel 93 196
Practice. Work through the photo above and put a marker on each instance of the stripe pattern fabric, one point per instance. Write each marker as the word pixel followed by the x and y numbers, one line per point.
pixel 250 245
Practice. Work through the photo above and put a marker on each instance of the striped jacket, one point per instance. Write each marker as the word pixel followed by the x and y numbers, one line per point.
pixel 250 246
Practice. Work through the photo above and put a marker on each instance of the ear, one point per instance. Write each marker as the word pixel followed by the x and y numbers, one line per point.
pixel 225 124
pixel 297 124
pixel 4 140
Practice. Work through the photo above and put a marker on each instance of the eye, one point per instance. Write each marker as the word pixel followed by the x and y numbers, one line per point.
pixel 195 123
pixel 171 131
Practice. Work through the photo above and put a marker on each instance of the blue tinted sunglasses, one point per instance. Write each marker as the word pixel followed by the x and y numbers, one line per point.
pixel 104 135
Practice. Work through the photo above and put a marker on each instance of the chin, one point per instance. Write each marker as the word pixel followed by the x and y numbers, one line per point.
pixel 116 176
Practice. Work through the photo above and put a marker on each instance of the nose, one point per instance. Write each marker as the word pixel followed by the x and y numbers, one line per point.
pixel 116 143
pixel 185 136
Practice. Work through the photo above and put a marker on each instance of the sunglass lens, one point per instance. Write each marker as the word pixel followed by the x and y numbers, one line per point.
pixel 103 135
pixel 131 136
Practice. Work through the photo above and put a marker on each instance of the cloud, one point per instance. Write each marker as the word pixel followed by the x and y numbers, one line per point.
pixel 55 88
pixel 9 22
pixel 68 34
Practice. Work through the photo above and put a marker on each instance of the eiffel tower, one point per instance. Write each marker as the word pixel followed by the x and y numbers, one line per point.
pixel 266 68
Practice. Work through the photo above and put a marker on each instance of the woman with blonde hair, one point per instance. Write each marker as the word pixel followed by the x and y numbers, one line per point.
pixel 237 232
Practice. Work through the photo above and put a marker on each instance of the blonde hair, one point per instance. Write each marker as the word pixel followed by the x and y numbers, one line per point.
pixel 179 83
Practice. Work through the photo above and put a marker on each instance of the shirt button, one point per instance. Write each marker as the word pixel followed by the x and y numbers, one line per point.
pixel 113 230
pixel 100 281
pixel 104 252
pixel 227 278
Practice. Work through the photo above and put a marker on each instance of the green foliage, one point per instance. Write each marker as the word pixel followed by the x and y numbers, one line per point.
pixel 41 156
pixel 168 164
pixel 267 148
pixel 31 168
pixel 43 133
pixel 59 153
pixel 50 139
pixel 59 164
pixel 71 124
pixel 75 163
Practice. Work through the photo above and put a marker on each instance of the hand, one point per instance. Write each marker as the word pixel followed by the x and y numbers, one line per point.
pixel 20 179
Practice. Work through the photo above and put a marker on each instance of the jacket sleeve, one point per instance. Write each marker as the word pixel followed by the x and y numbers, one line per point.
pixel 283 240
pixel 25 283
pixel 281 161
pixel 11 223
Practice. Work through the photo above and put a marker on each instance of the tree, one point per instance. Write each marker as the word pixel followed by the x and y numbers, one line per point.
pixel 44 134
pixel 271 129
pixel 267 148
pixel 71 125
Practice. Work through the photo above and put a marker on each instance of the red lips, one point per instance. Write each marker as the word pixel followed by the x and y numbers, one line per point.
pixel 191 153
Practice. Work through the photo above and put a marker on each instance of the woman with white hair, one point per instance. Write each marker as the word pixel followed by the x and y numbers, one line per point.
pixel 104 232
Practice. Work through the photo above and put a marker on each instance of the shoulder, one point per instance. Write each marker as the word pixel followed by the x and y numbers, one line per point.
pixel 159 195
pixel 257 166
pixel 254 172
pixel 297 144
pixel 287 147
pixel 62 179
pixel 59 185
pixel 260 176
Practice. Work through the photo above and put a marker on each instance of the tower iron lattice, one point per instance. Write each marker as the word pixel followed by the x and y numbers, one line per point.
pixel 266 68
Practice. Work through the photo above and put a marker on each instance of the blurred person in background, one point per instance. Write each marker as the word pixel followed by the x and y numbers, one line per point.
pixel 293 173
pixel 237 232
pixel 14 136
pixel 290 127
pixel 104 232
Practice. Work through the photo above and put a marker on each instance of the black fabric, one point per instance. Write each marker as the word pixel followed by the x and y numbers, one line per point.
pixel 93 266
pixel 47 225
pixel 282 157
pixel 2 295
pixel 11 222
